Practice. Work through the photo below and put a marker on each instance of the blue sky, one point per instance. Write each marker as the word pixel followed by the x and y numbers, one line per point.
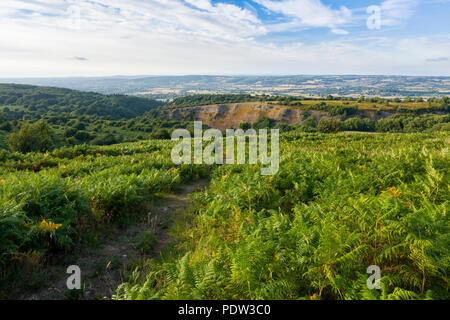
pixel 155 37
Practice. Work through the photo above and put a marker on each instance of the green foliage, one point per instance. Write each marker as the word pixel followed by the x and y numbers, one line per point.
pixel 205 99
pixel 84 117
pixel 245 126
pixel 48 200
pixel 339 204
pixel 283 127
pixel 146 241
pixel 161 134
pixel 36 102
pixel 403 123
pixel 309 125
pixel 358 124
pixel 35 137
pixel 263 123
pixel 334 110
pixel 105 140
pixel 83 136
pixel 329 125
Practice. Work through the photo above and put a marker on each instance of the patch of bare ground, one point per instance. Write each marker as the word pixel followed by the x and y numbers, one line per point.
pixel 104 267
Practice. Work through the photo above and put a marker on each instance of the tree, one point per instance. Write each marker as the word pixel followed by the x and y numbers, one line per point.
pixel 2 117
pixel 105 140
pixel 70 132
pixel 283 127
pixel 263 123
pixel 6 126
pixel 329 125
pixel 83 136
pixel 390 124
pixel 31 137
pixel 79 125
pixel 357 124
pixel 308 125
pixel 161 134
pixel 244 126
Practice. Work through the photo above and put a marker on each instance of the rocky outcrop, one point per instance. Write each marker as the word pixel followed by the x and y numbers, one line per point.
pixel 224 116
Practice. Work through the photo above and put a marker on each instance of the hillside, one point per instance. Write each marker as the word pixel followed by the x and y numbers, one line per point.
pixel 223 116
pixel 24 101
pixel 339 202
pixel 75 117
pixel 230 115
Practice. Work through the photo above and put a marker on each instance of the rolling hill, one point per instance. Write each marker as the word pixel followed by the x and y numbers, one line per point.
pixel 18 101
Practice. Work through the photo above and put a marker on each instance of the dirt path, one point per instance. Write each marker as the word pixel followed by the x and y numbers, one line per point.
pixel 105 266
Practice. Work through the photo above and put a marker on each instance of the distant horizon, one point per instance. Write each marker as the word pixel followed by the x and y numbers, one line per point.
pixel 221 75
pixel 171 86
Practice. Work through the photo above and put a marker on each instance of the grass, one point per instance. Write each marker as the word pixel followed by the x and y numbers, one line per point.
pixel 371 106
pixel 146 241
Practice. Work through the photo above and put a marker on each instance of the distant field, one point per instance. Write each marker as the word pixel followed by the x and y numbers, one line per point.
pixel 168 87
pixel 391 106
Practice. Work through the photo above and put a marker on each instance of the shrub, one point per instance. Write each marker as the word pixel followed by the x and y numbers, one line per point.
pixel 105 140
pixel 6 126
pixel 160 134
pixel 35 137
pixel 146 241
pixel 390 124
pixel 358 124
pixel 70 132
pixel 244 126
pixel 308 125
pixel 283 127
pixel 263 123
pixel 83 136
pixel 329 125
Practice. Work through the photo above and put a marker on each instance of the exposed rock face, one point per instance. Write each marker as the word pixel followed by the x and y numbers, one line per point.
pixel 229 116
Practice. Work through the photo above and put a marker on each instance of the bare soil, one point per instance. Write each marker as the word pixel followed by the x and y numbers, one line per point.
pixel 104 267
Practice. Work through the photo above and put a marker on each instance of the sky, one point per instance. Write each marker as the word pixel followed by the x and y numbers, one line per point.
pixel 63 38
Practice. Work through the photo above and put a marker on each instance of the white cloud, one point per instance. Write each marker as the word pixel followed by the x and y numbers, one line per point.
pixel 312 13
pixel 339 31
pixel 194 37
pixel 393 12
pixel 202 4
pixel 216 21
